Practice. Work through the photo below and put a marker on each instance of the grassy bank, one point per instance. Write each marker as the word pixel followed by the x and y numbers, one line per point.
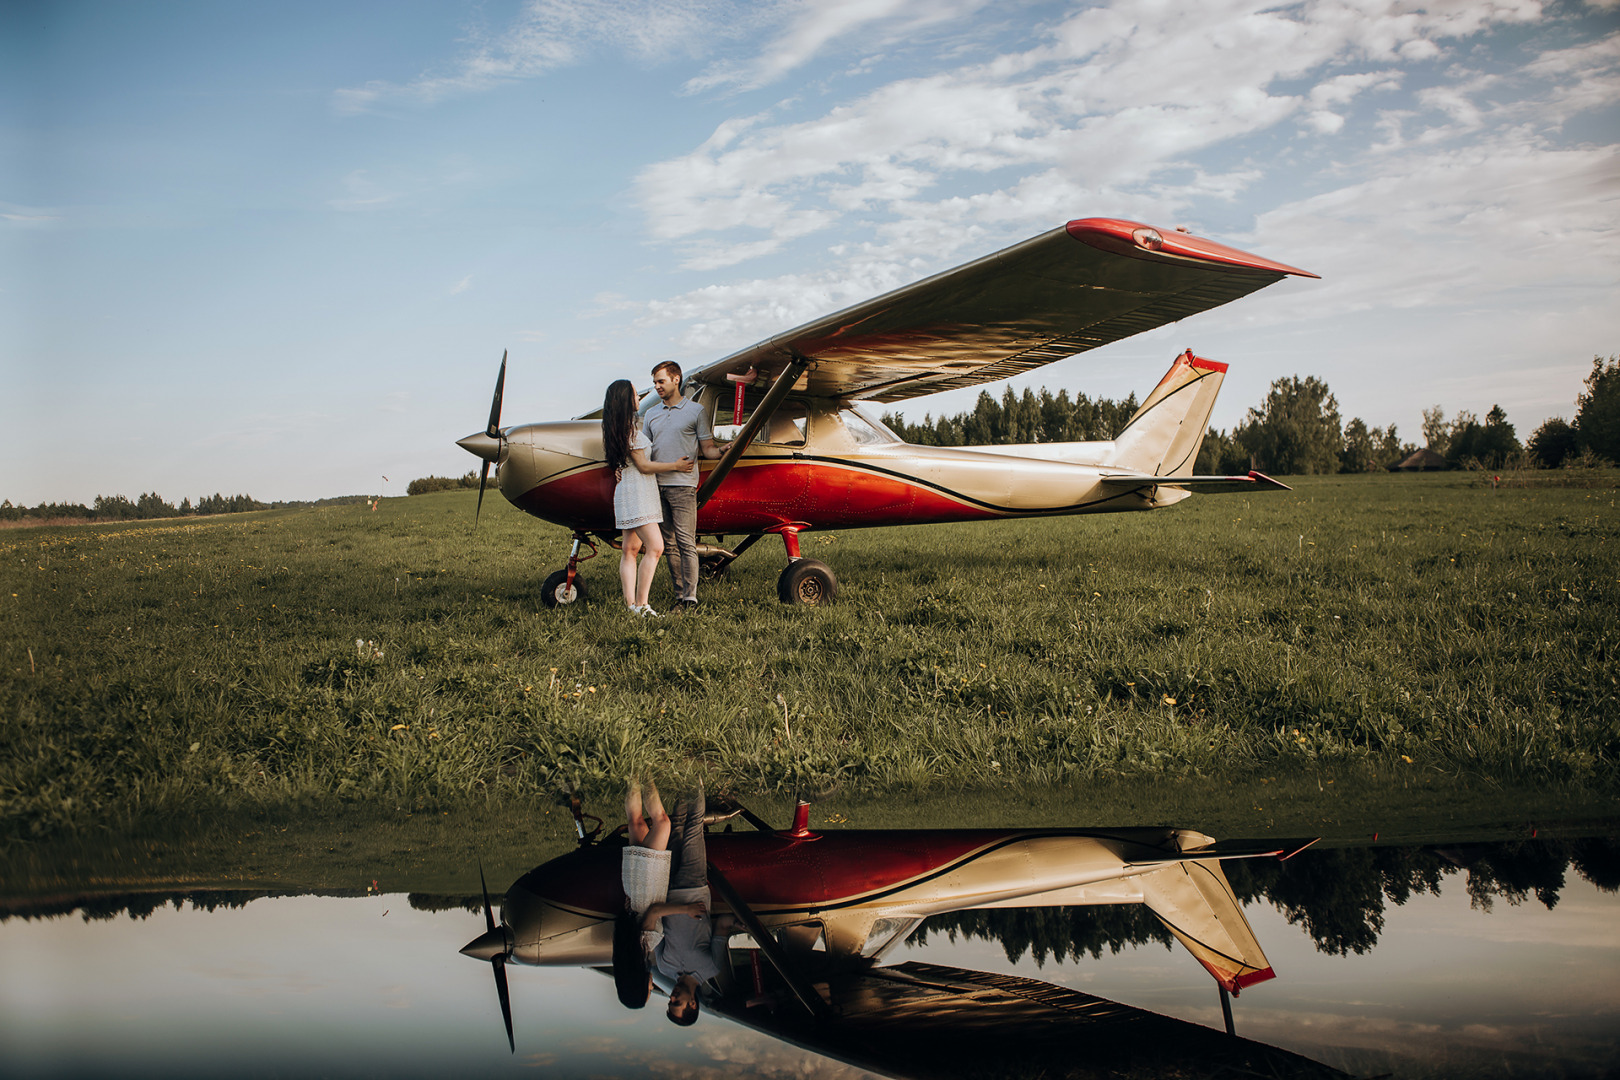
pixel 1421 631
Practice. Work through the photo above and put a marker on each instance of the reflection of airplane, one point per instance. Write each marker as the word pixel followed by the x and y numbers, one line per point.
pixel 825 908
pixel 804 455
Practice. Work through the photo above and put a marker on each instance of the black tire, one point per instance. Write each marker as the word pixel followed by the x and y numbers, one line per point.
pixel 555 592
pixel 808 582
pixel 713 567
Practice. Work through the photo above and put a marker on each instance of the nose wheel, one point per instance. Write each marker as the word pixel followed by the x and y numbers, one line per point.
pixel 566 586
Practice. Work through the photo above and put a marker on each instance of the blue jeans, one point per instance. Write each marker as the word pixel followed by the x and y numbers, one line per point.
pixel 690 866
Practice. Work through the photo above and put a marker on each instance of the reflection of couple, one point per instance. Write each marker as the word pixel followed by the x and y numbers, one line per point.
pixel 665 925
pixel 655 500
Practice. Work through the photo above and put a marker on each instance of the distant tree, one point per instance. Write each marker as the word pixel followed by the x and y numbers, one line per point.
pixel 426 484
pixel 1597 411
pixel 1554 441
pixel 115 508
pixel 1296 429
pixel 1360 453
pixel 1030 417
pixel 1436 431
pixel 1219 455
pixel 151 505
pixel 1489 444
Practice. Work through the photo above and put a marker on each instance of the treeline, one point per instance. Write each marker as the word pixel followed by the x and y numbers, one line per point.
pixel 1030 418
pixel 153 505
pixel 425 484
pixel 1297 430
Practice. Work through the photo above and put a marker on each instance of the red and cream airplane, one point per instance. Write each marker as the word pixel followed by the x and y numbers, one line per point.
pixel 823 910
pixel 805 454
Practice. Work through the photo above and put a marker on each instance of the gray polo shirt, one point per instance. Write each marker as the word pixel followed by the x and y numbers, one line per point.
pixel 675 433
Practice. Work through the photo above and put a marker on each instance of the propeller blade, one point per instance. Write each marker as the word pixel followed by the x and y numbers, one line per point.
pixel 499 964
pixel 494 429
pixel 489 914
pixel 483 478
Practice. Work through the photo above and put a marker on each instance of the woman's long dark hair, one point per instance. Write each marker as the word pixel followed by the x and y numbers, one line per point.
pixel 629 965
pixel 618 417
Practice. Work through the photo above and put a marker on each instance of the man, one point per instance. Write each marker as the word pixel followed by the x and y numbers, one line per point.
pixel 677 428
pixel 678 936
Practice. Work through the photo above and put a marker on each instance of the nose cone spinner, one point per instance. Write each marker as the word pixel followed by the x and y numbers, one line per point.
pixel 482 444
pixel 490 944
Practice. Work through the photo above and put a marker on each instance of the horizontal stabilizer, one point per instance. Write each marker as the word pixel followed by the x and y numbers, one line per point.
pixel 1205 485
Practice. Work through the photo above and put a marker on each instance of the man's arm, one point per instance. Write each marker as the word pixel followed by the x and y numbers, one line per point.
pixel 657 912
pixel 708 449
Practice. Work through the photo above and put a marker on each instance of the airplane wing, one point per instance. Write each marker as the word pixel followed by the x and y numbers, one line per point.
pixel 1090 282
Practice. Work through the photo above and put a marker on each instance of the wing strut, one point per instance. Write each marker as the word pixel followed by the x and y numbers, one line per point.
pixel 762 415
pixel 807 995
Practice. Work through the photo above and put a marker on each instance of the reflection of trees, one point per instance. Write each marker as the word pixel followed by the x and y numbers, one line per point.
pixel 1059 932
pixel 1337 895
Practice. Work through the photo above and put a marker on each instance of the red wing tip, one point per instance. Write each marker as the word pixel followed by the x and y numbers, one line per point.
pixel 1262 478
pixel 1207 365
pixel 1252 977
pixel 1133 238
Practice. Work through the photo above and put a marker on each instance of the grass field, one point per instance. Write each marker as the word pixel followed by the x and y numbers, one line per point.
pixel 1364 635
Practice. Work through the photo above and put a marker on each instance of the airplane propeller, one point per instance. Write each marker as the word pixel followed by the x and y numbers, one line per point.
pixel 487 443
pixel 496 941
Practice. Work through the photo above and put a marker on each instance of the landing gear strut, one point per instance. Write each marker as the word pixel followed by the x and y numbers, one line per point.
pixel 566 586
pixel 805 581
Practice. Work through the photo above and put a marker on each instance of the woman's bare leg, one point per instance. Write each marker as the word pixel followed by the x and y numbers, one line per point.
pixel 634 819
pixel 658 825
pixel 629 546
pixel 652 549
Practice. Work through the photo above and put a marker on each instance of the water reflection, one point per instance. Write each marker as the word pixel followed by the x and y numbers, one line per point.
pixel 823 910
pixel 1457 960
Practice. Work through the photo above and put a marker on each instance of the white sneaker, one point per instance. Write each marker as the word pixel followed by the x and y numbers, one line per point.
pixel 646 609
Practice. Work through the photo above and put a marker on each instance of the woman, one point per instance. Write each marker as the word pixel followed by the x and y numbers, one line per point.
pixel 644 872
pixel 636 509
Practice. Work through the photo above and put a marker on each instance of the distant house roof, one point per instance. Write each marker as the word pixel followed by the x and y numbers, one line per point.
pixel 1423 461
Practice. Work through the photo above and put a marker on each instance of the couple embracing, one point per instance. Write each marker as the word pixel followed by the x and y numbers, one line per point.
pixel 655 500
pixel 665 925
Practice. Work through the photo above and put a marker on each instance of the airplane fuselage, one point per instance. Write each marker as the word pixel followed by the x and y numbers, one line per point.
pixel 836 470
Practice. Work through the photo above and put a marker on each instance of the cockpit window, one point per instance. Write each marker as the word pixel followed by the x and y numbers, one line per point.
pixel 864 430
pixel 786 426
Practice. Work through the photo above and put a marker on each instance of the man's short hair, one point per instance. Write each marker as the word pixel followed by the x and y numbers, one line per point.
pixel 670 366
pixel 686 1018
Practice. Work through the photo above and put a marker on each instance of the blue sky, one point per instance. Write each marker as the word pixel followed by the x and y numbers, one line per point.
pixel 279 250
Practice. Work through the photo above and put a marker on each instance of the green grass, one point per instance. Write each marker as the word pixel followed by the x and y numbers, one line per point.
pixel 1381 633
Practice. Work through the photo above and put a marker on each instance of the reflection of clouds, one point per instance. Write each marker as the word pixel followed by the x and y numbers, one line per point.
pixel 1579 925
pixel 248 979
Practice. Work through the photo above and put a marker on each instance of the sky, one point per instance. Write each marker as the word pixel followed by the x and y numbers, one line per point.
pixel 280 249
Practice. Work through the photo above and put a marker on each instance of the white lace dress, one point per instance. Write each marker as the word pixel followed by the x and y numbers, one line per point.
pixel 635 499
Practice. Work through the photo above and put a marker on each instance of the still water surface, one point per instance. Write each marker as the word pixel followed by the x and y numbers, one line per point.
pixel 1484 960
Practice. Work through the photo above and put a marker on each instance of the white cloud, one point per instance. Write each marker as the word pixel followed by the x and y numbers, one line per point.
pixel 812 27
pixel 551 34
pixel 1118 99
pixel 363 193
pixel 461 286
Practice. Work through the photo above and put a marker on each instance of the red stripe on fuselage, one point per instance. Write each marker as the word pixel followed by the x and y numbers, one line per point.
pixel 772 872
pixel 760 495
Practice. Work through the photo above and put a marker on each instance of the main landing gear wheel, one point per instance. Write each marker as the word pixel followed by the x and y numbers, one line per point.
pixel 713 567
pixel 807 581
pixel 556 592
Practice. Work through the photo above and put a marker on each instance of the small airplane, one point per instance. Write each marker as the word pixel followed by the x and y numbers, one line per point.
pixel 823 910
pixel 803 453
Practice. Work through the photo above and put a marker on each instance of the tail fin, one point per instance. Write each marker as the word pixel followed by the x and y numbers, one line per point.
pixel 1195 901
pixel 1162 439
